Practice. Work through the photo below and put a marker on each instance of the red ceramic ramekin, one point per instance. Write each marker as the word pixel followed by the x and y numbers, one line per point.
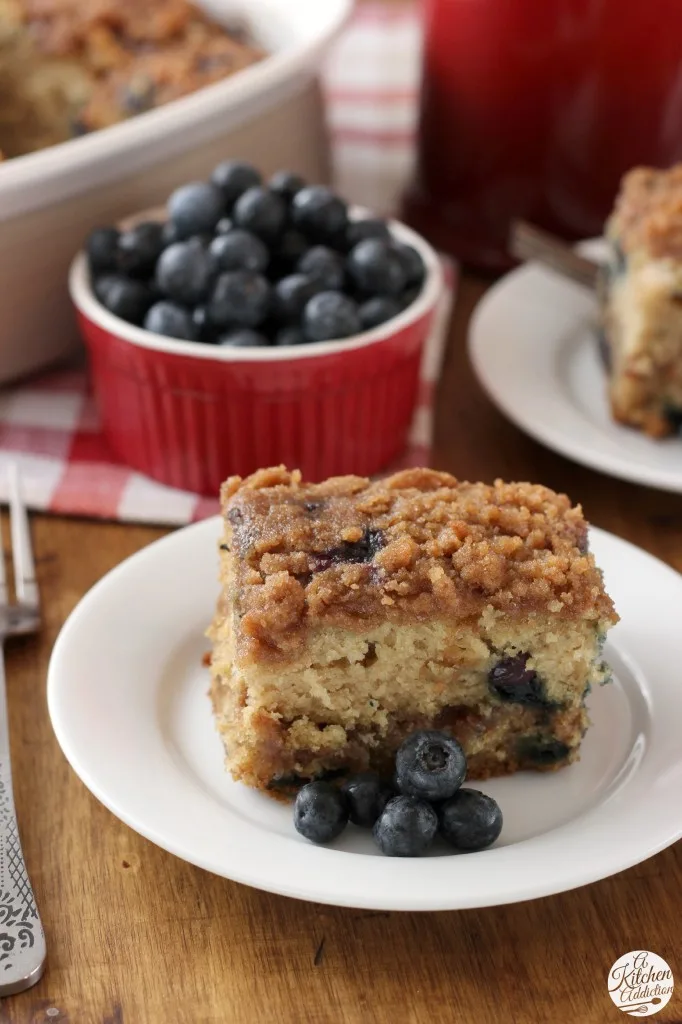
pixel 191 414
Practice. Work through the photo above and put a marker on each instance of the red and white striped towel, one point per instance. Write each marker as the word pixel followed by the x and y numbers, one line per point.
pixel 49 425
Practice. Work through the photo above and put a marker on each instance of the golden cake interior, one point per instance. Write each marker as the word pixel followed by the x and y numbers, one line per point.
pixel 352 613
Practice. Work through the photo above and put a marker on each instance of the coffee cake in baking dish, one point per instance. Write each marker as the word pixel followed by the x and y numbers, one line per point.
pixel 354 612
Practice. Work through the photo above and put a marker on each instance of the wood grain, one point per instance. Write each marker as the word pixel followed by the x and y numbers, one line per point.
pixel 136 936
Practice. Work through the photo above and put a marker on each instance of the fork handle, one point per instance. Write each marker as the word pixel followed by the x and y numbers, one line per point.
pixel 22 941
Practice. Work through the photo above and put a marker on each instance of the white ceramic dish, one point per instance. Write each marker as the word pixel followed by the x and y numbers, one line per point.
pixel 533 346
pixel 270 113
pixel 128 702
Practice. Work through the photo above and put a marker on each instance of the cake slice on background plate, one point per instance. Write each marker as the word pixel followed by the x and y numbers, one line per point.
pixel 353 612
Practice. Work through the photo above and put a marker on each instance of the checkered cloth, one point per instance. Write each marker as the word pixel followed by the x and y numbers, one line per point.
pixel 49 425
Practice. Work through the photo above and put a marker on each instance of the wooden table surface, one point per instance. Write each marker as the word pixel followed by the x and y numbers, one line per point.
pixel 135 935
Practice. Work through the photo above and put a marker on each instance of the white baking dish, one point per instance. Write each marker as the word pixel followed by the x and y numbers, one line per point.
pixel 270 113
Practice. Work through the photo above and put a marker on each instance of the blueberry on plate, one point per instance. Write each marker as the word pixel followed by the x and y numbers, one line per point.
pixel 325 265
pixel 372 227
pixel 233 177
pixel 171 320
pixel 366 795
pixel 101 249
pixel 319 213
pixel 330 315
pixel 320 812
pixel 239 250
pixel 185 272
pixel 470 820
pixel 290 296
pixel 127 299
pixel 240 299
pixel 101 285
pixel 260 211
pixel 286 184
pixel 139 249
pixel 413 264
pixel 376 268
pixel 430 765
pixel 377 311
pixel 195 209
pixel 242 337
pixel 406 827
pixel 290 336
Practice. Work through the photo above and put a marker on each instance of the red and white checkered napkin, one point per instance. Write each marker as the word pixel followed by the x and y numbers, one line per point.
pixel 49 425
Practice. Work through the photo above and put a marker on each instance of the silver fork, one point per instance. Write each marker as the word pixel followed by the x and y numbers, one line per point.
pixel 22 941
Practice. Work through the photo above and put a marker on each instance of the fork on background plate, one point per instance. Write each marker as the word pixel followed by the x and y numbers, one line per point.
pixel 22 941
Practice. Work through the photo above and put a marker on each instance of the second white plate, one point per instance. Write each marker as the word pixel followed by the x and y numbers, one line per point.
pixel 533 347
pixel 128 700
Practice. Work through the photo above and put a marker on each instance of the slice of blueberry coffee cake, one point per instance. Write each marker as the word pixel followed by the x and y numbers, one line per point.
pixel 354 612
pixel 641 293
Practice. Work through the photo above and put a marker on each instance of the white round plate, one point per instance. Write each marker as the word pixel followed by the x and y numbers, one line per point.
pixel 533 347
pixel 127 695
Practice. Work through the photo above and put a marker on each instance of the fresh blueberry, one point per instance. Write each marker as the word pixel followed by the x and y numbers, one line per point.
pixel 101 285
pixel 286 184
pixel 101 248
pixel 320 812
pixel 224 225
pixel 171 320
pixel 239 250
pixel 377 311
pixel 376 268
pixel 202 328
pixel 325 265
pixel 470 820
pixel 413 264
pixel 233 177
pixel 358 230
pixel 185 272
pixel 242 337
pixel 260 211
pixel 139 249
pixel 366 796
pixel 290 336
pixel 430 765
pixel 290 297
pixel 319 213
pixel 240 299
pixel 330 315
pixel 127 299
pixel 286 253
pixel 196 208
pixel 169 234
pixel 542 751
pixel 511 681
pixel 406 827
pixel 409 296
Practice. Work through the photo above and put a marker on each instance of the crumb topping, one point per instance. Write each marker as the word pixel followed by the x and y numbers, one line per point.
pixel 413 547
pixel 648 212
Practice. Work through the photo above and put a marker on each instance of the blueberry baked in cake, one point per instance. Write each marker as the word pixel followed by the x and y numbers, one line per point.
pixel 68 67
pixel 641 294
pixel 353 613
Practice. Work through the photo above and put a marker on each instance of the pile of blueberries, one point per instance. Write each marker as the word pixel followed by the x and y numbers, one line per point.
pixel 243 263
pixel 424 799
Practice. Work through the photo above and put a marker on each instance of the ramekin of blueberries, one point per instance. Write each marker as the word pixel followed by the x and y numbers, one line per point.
pixel 253 323
pixel 243 263
pixel 425 800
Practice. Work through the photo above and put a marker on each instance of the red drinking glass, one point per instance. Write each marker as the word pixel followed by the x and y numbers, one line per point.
pixel 534 109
